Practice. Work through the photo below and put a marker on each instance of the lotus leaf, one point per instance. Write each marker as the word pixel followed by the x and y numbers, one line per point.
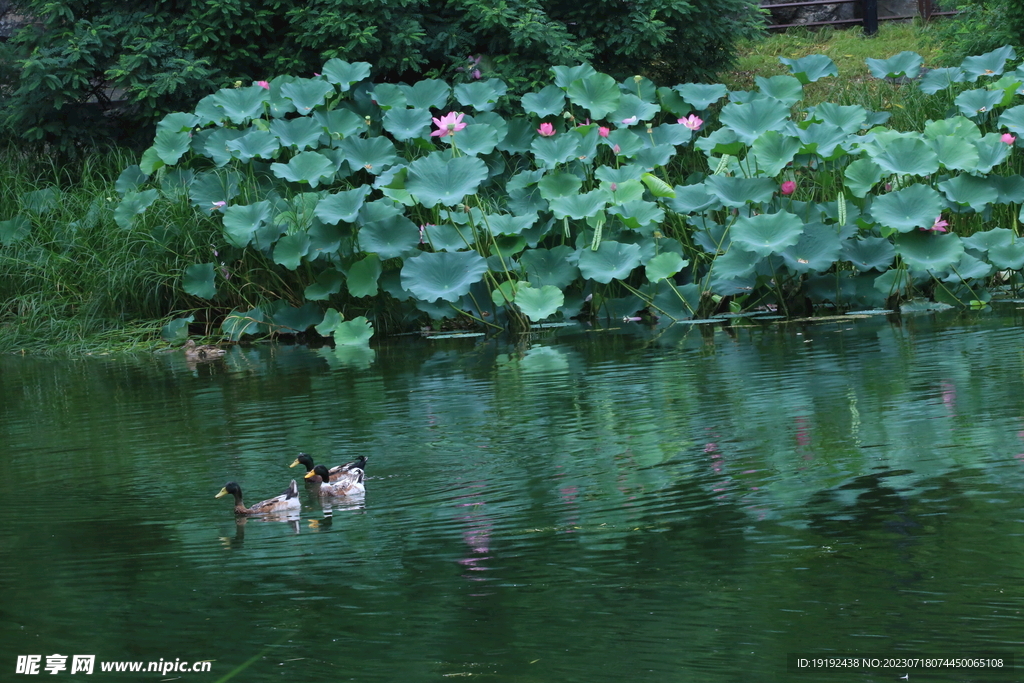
pixel 912 207
pixel 869 253
pixel 811 68
pixel 924 251
pixel 538 304
pixel 442 275
pixel 736 192
pixel 327 283
pixel 481 95
pixel 550 266
pixel 407 124
pixel 701 95
pixel 596 92
pixel 307 93
pixel 906 63
pixel 989 64
pixel 341 206
pixel 548 102
pixel 979 101
pixel 785 89
pixel 436 180
pixel 970 190
pixel 612 260
pixel 344 74
pixel 941 79
pixel 773 151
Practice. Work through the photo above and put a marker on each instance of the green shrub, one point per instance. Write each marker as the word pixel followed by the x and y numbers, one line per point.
pixel 980 26
pixel 158 56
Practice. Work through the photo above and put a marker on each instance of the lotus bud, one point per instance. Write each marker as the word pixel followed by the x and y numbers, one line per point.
pixel 637 79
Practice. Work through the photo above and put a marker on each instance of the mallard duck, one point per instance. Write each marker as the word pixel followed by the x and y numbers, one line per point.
pixel 288 500
pixel 349 483
pixel 204 352
pixel 337 472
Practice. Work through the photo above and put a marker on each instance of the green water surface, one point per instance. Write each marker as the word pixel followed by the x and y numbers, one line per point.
pixel 694 503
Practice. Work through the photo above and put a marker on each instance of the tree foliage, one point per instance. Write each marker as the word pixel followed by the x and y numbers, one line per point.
pixel 89 69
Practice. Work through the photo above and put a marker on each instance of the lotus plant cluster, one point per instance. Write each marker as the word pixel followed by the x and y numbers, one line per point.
pixel 617 200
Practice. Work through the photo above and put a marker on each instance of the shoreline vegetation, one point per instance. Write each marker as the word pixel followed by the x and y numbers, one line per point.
pixel 120 251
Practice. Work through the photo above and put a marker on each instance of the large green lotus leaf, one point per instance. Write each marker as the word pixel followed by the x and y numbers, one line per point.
pixel 14 229
pixel 785 89
pixel 969 268
pixel 505 224
pixel 1009 255
pixel 629 143
pixel 481 95
pixel 212 187
pixel 198 281
pixel 521 133
pixel 565 75
pixel 904 64
pixel 306 167
pixel 903 210
pixel 658 187
pixel 905 155
pixel 772 151
pixel 355 333
pixel 558 184
pixel 548 102
pixel 893 281
pixel 289 250
pixel 692 199
pixel 327 283
pixel 1010 188
pixel 975 102
pixel 240 323
pixel 407 124
pixel 307 93
pixel 554 150
pixel 553 266
pixel 991 152
pixel 850 118
pixel 297 319
pixel 1013 119
pixel 622 174
pixel 171 144
pixel 371 154
pixel 242 221
pixel 817 250
pixel 925 251
pixel 476 139
pixel 626 191
pixel 672 102
pixel 736 192
pixel 612 260
pixel 241 104
pixel 701 95
pixel 538 304
pixel 339 123
pixel 297 213
pixel 822 139
pixel 811 68
pixel 862 175
pixel 436 180
pixel 751 120
pixel 344 74
pixel 341 206
pixel 768 233
pixel 131 179
pixel 674 134
pixel 325 240
pixel 630 105
pixel 665 265
pixel 983 241
pixel 133 204
pixel 580 206
pixel 869 253
pixel 974 191
pixel 388 96
pixel 255 143
pixel 989 64
pixel 392 237
pixel 638 214
pixel 447 237
pixel 443 275
pixel 216 145
pixel 599 93
pixel 300 133
pixel 654 157
pixel 956 126
pixel 941 79
pixel 178 121
pixel 955 152
pixel 677 302
pixel 427 94
pixel 363 276
pixel 176 331
pixel 733 265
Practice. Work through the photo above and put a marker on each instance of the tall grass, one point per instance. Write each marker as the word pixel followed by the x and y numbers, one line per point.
pixel 77 280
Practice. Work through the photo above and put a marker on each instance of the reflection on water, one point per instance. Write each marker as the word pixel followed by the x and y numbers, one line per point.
pixel 695 501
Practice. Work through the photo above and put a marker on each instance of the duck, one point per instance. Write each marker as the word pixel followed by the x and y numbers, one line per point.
pixel 288 500
pixel 203 352
pixel 350 483
pixel 337 472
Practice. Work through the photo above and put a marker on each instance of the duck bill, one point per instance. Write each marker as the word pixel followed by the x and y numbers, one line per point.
pixel 310 475
pixel 295 463
pixel 223 492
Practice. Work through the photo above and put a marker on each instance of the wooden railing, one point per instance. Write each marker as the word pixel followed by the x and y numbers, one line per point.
pixel 868 13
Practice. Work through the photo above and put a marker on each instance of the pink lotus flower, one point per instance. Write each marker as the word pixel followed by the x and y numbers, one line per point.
pixel 449 124
pixel 616 149
pixel 423 229
pixel 1008 139
pixel 630 121
pixel 476 74
pixel 546 129
pixel 631 318
pixel 939 225
pixel 263 84
pixel 217 205
pixel 693 122
pixel 788 187
pixel 604 131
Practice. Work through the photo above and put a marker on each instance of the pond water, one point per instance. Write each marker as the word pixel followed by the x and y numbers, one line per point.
pixel 693 503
